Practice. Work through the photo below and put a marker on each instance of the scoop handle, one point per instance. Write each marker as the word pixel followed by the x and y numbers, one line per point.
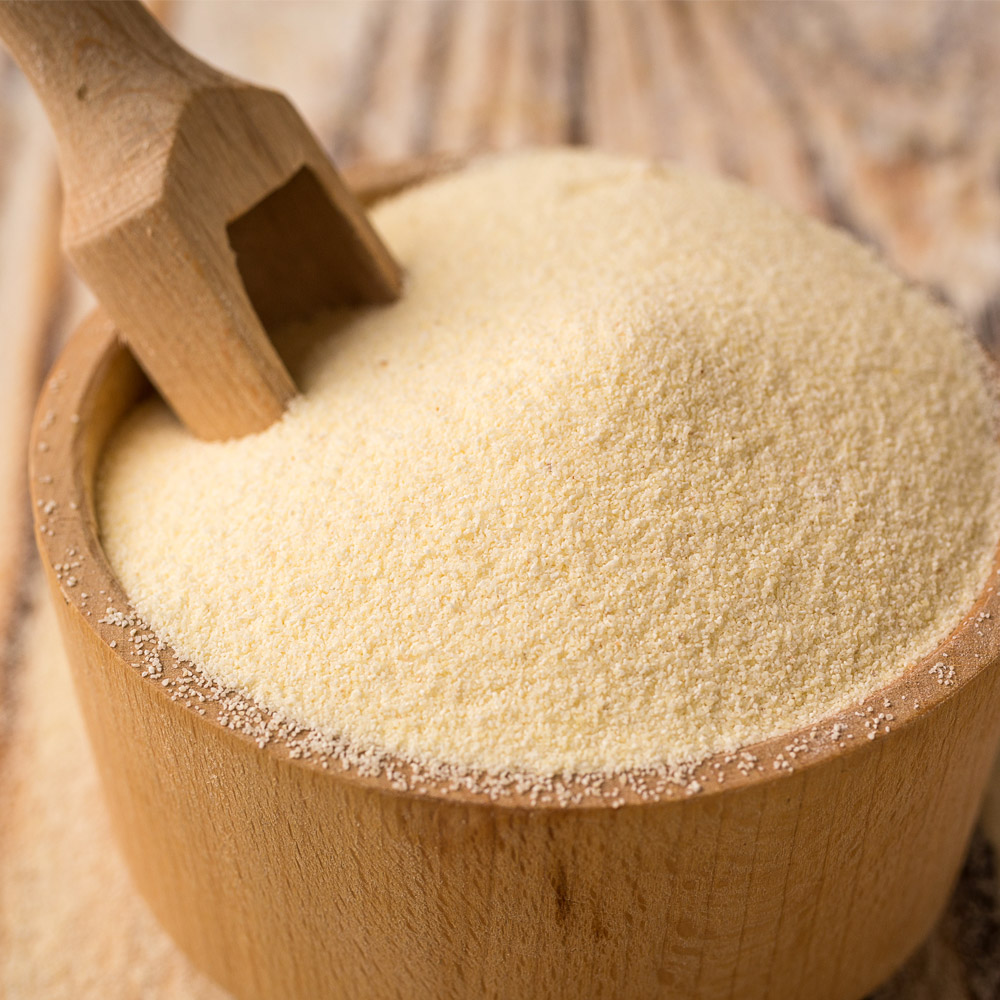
pixel 107 74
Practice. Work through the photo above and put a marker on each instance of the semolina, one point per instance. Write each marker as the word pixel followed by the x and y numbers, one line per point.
pixel 640 468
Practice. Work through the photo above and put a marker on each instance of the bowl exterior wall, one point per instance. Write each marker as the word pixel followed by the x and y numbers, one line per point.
pixel 281 879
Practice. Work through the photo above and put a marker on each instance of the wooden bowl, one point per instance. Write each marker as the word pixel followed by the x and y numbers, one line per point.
pixel 812 871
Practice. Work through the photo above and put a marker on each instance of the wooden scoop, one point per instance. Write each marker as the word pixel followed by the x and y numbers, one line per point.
pixel 199 209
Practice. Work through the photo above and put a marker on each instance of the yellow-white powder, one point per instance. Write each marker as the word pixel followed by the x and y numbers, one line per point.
pixel 641 467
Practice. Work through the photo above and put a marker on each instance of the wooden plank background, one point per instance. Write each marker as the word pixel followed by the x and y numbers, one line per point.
pixel 883 117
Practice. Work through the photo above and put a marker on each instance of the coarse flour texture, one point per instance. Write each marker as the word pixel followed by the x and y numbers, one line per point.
pixel 641 467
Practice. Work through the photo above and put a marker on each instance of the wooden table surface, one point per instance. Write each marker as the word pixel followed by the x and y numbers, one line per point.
pixel 883 117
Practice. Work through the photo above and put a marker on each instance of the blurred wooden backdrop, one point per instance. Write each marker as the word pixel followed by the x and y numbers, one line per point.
pixel 883 117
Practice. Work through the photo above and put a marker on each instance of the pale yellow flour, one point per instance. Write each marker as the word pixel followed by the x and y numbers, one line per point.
pixel 641 467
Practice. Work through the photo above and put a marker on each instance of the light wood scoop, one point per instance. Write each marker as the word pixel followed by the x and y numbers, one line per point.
pixel 198 208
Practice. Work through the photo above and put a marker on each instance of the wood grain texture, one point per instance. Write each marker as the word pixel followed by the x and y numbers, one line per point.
pixel 879 116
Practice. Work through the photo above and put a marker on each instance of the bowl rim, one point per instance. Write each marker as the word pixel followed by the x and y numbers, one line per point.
pixel 66 435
